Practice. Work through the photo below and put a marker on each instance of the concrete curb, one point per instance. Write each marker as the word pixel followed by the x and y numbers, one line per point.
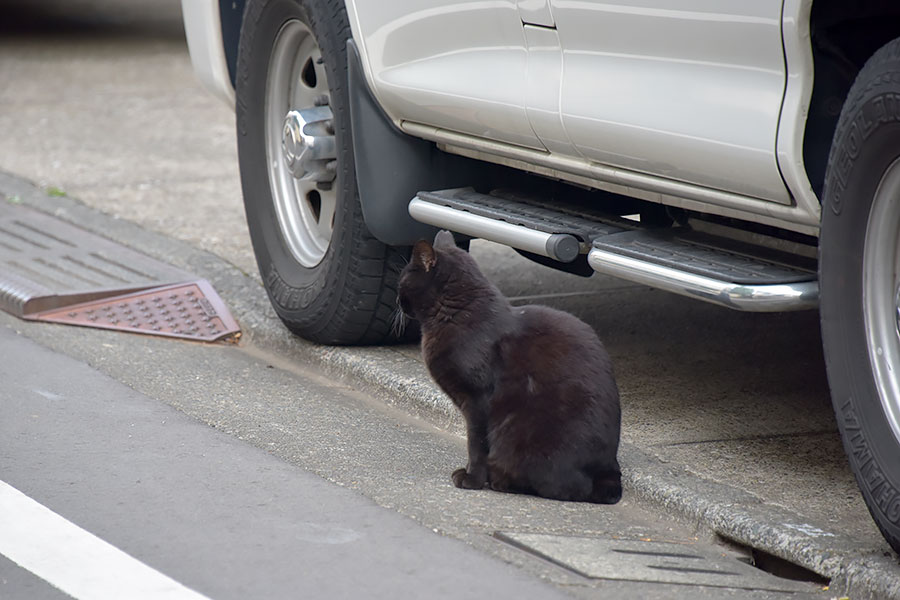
pixel 392 377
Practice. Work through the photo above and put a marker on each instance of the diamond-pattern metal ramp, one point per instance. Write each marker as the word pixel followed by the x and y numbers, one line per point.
pixel 53 271
pixel 188 310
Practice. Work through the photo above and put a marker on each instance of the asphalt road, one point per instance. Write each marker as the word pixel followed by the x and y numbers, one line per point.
pixel 99 103
pixel 214 514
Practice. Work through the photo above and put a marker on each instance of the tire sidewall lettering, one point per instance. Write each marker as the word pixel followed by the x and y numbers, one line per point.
pixel 877 111
pixel 876 483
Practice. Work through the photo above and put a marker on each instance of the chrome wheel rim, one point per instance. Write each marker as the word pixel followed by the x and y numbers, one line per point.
pixel 881 292
pixel 300 144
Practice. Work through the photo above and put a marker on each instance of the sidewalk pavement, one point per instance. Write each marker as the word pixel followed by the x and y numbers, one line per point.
pixel 397 377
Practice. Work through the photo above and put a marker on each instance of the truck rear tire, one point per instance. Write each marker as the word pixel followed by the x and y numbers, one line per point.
pixel 859 278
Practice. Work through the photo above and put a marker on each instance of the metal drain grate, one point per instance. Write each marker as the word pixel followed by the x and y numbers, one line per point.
pixel 188 310
pixel 650 561
pixel 53 271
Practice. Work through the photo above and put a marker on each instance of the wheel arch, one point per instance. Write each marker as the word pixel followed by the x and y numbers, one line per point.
pixel 231 16
pixel 843 37
pixel 391 166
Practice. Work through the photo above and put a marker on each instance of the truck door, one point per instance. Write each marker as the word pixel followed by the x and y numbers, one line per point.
pixel 456 65
pixel 687 90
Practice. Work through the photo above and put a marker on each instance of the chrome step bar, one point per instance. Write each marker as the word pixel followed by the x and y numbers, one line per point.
pixel 801 295
pixel 448 209
pixel 558 246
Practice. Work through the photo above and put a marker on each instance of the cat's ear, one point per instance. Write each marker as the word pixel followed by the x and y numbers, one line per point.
pixel 444 239
pixel 423 255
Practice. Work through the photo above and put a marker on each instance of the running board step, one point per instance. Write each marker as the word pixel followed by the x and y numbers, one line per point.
pixel 522 223
pixel 683 261
pixel 691 265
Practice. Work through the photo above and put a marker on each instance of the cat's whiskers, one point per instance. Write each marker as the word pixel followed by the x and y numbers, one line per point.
pixel 398 322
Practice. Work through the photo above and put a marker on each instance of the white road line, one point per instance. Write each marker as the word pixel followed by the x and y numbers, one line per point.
pixel 74 560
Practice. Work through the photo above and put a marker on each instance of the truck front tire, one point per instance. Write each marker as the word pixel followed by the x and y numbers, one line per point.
pixel 328 278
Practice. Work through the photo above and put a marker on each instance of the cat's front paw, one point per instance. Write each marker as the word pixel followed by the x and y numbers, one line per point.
pixel 468 481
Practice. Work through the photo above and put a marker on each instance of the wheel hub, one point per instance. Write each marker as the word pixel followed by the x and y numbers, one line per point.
pixel 308 145
pixel 897 309
pixel 301 148
pixel 881 292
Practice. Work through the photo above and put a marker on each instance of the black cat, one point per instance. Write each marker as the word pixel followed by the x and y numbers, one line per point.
pixel 534 384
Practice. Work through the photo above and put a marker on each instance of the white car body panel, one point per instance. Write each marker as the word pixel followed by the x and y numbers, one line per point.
pixel 439 78
pixel 536 12
pixel 620 181
pixel 203 29
pixel 795 109
pixel 734 84
pixel 544 78
pixel 688 90
pixel 458 64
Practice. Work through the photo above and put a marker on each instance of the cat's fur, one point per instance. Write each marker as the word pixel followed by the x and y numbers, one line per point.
pixel 534 384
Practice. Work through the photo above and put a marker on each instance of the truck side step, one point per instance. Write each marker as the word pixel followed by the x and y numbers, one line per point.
pixel 522 223
pixel 708 269
pixel 679 260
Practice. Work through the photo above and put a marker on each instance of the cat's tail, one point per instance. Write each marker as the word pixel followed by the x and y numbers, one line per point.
pixel 607 487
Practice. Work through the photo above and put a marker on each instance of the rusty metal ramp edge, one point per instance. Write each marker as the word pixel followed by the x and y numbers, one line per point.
pixel 189 310
pixel 51 270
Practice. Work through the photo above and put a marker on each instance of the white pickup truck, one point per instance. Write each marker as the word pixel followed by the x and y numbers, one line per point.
pixel 741 152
